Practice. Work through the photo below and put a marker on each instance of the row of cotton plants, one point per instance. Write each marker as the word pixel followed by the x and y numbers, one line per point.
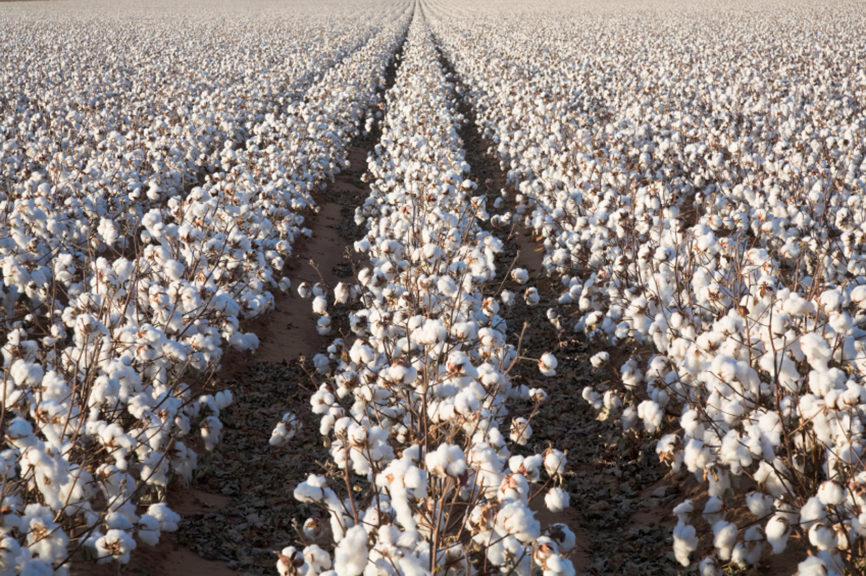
pixel 97 415
pixel 698 178
pixel 415 407
pixel 104 120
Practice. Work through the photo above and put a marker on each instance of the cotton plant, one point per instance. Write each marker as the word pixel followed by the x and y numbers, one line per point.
pixel 415 408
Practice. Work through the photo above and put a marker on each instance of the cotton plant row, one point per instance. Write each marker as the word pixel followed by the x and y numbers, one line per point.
pixel 703 205
pixel 97 417
pixel 110 119
pixel 416 403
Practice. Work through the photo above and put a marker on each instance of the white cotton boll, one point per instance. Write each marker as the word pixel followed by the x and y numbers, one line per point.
pixel 223 399
pixel 531 296
pixel 350 557
pixel 148 531
pixel 317 558
pixel 547 364
pixel 556 499
pixel 651 414
pixel 446 460
pixel 26 373
pixel 683 509
pixel 107 231
pixel 812 511
pixel 685 542
pixel 599 359
pixel 116 544
pixel 708 567
pixel 759 504
pixel 822 537
pixel 323 325
pixel 519 520
pixel 320 305
pixel 830 493
pixel 290 562
pixel 168 519
pixel 507 298
pixel 342 293
pixel 713 510
pixel 521 431
pixel 554 462
pixel 520 275
pixel 321 363
pixel 173 269
pixel 285 430
pixel 812 566
pixel 284 285
pixel 304 290
pixel 724 538
pixel 563 536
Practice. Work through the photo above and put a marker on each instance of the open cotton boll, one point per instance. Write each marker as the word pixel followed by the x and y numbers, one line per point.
pixel 446 460
pixel 520 275
pixel 148 531
pixel 813 566
pixel 290 562
pixel 724 538
pixel 320 305
pixel 830 493
pixel 350 557
pixel 521 431
pixel 759 504
pixel 599 359
pixel 554 462
pixel 168 519
pixel 547 364
pixel 531 296
pixel 685 542
pixel 116 545
pixel 556 499
pixel 285 430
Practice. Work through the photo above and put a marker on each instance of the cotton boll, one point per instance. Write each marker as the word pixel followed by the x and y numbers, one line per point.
pixel 304 290
pixel 777 531
pixel 713 510
pixel 812 566
pixel 554 462
pixel 149 531
pixel 556 499
pixel 724 538
pixel 285 430
pixel 320 305
pixel 116 544
pixel 290 562
pixel 531 296
pixel 599 359
pixel 830 493
pixel 521 431
pixel 685 542
pixel 446 460
pixel 759 504
pixel 563 536
pixel 350 557
pixel 547 364
pixel 169 521
pixel 520 275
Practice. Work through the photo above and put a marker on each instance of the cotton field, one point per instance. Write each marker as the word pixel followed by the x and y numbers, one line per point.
pixel 471 212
